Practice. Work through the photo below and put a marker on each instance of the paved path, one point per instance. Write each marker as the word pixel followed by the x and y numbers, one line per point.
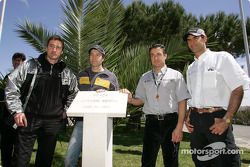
pixel 241 135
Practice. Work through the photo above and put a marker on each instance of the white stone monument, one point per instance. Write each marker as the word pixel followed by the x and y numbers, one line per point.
pixel 98 110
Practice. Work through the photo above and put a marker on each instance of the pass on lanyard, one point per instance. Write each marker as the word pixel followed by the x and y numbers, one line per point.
pixel 157 84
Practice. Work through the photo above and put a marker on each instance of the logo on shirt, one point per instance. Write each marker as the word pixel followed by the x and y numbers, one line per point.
pixel 210 69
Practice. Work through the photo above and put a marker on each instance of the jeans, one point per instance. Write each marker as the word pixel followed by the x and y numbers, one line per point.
pixel 75 146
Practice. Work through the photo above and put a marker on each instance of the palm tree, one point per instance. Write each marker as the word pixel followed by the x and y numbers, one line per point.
pixel 85 22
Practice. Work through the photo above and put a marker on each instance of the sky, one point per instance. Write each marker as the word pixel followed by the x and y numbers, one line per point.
pixel 49 14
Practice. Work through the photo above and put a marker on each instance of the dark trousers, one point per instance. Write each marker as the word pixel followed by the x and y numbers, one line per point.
pixel 159 133
pixel 7 144
pixel 202 137
pixel 234 159
pixel 46 132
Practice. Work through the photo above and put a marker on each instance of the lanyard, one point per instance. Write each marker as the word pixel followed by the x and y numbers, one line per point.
pixel 157 84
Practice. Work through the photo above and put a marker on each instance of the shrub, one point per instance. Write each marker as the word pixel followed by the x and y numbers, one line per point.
pixel 242 116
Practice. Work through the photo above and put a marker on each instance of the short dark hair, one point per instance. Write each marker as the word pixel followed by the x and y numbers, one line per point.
pixel 19 55
pixel 56 37
pixel 158 46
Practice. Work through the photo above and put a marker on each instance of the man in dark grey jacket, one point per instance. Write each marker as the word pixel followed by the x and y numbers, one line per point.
pixel 94 78
pixel 37 95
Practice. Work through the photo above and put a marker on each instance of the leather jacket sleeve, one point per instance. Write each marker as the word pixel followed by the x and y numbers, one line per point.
pixel 17 78
pixel 12 89
pixel 71 80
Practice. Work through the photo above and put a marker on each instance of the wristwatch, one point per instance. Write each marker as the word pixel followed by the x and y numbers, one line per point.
pixel 228 120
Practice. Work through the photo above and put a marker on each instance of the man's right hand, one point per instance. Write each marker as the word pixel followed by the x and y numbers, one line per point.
pixel 130 97
pixel 20 119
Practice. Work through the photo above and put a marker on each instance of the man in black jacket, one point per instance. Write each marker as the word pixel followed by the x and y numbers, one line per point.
pixel 6 121
pixel 37 95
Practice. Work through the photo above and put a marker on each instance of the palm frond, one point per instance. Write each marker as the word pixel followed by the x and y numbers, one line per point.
pixel 134 61
pixel 35 35
pixel 92 22
pixel 71 27
pixel 104 26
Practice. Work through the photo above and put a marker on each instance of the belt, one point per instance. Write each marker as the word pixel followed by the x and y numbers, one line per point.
pixel 206 110
pixel 161 117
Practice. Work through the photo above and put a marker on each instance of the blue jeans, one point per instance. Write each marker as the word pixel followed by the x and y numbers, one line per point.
pixel 75 146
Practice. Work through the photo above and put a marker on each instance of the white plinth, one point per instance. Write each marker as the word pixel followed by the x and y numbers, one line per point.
pixel 97 140
pixel 98 110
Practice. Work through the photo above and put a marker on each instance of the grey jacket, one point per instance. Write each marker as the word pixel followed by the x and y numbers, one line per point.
pixel 17 78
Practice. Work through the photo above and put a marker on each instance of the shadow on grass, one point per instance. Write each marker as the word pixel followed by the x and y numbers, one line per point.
pixel 245 161
pixel 128 137
pixel 133 152
pixel 186 137
pixel 65 135
pixel 58 161
pixel 245 158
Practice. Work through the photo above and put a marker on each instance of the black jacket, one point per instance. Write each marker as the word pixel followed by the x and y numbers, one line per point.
pixel 54 89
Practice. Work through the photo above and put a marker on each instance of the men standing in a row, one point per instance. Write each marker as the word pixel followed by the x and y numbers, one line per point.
pixel 37 95
pixel 93 78
pixel 8 133
pixel 163 93
pixel 216 83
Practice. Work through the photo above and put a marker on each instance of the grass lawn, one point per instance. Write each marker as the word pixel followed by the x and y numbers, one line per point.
pixel 127 150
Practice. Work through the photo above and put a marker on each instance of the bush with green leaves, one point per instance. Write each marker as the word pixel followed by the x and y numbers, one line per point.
pixel 242 117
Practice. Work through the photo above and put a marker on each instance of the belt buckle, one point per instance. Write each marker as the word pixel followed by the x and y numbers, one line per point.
pixel 211 110
pixel 199 111
pixel 160 117
pixel 204 110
